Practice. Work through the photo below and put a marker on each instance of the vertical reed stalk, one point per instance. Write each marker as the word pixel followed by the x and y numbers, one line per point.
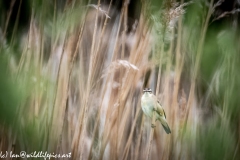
pixel 86 98
pixel 148 153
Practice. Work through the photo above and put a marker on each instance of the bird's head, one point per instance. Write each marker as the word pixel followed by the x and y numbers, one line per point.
pixel 147 91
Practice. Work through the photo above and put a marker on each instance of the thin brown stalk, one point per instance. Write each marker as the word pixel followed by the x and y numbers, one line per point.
pixel 148 153
pixel 132 78
pixel 63 89
pixel 178 71
pixel 177 67
pixel 139 138
pixel 136 57
pixel 113 57
pixel 73 60
pixel 106 134
pixel 75 52
pixel 70 73
pixel 56 94
pixel 130 138
pixel 105 88
pixel 103 31
pixel 92 62
pixel 121 103
pixel 117 37
pixel 97 119
pixel 159 71
pixel 157 92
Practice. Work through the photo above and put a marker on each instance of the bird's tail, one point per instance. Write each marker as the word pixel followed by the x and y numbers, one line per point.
pixel 165 125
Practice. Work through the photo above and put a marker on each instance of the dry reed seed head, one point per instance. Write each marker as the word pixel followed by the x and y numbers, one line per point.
pixel 169 16
pixel 225 14
pixel 127 64
pixel 115 65
pixel 174 13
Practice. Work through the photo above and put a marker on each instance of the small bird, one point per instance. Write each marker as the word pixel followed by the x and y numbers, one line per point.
pixel 150 104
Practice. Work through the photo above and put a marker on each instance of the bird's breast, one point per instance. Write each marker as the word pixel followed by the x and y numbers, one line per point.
pixel 147 106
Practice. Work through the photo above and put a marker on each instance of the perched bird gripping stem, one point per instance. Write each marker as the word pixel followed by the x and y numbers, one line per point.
pixel 150 104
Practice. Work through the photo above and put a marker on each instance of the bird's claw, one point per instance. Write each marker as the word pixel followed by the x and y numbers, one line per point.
pixel 153 126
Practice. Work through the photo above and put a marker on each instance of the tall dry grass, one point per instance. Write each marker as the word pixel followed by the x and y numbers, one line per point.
pixel 81 75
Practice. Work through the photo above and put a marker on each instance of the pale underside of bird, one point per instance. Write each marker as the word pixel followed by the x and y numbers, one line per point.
pixel 151 105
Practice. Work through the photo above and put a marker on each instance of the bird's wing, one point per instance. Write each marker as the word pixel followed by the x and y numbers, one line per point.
pixel 160 110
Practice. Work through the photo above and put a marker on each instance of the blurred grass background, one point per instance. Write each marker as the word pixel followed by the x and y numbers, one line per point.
pixel 72 74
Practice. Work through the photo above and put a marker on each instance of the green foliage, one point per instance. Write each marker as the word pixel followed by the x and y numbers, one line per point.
pixel 216 142
pixel 9 94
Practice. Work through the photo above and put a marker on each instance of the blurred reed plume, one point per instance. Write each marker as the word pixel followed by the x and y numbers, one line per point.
pixel 73 78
